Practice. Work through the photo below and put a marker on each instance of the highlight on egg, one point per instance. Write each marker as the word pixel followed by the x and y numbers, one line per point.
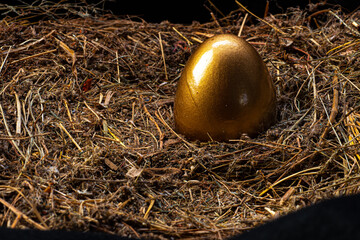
pixel 225 90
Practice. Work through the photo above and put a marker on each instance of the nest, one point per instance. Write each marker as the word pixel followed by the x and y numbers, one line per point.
pixel 87 130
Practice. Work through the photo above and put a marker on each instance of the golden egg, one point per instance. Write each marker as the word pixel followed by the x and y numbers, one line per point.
pixel 225 90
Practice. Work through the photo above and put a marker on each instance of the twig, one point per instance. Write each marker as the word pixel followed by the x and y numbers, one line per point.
pixel 334 109
pixel 18 111
pixel 347 26
pixel 152 202
pixel 163 56
pixel 9 133
pixel 117 66
pixel 111 130
pixel 36 212
pixel 161 135
pixel 29 44
pixel 260 19
pixel 276 145
pixel 33 56
pixel 19 213
pixel 91 110
pixel 302 173
pixel 3 63
pixel 15 79
pixel 181 35
pixel 242 24
pixel 217 22
pixel 72 139
pixel 67 110
pixel 159 116
pixel 315 96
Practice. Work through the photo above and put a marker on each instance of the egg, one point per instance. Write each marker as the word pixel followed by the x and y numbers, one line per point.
pixel 224 91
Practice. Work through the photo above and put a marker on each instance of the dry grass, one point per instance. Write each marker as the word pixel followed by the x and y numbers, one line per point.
pixel 86 124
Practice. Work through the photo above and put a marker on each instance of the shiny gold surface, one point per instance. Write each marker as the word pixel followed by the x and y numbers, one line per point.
pixel 225 90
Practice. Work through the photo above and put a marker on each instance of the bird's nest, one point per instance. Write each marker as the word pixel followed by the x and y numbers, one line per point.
pixel 87 128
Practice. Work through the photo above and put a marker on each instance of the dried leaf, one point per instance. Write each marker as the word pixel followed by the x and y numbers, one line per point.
pixel 87 85
pixel 134 172
pixel 69 51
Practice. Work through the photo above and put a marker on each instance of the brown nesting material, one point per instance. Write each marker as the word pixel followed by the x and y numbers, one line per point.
pixel 87 124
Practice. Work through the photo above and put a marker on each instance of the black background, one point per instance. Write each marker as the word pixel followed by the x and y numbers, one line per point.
pixel 186 11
